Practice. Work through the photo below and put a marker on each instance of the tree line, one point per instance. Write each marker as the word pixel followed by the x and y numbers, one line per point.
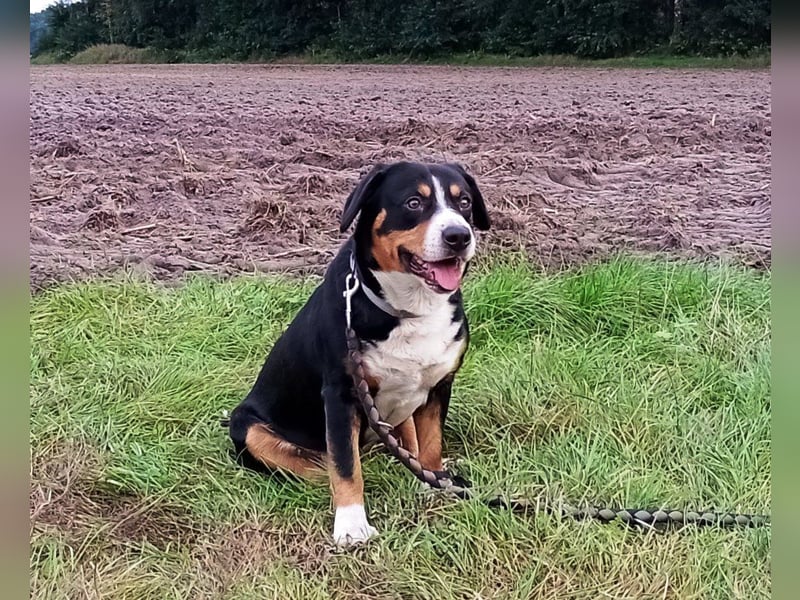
pixel 359 29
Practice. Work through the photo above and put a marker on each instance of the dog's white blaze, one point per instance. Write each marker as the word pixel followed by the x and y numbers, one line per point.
pixel 350 525
pixel 438 191
pixel 417 355
pixel 433 247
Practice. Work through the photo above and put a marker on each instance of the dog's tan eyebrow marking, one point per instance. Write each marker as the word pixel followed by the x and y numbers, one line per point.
pixel 424 189
pixel 455 191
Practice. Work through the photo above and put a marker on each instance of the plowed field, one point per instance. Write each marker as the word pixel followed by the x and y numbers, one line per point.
pixel 234 168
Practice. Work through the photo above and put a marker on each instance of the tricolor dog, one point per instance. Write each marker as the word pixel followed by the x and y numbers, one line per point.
pixel 413 239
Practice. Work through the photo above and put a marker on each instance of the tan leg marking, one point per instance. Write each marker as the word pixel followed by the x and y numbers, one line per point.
pixel 408 435
pixel 428 423
pixel 348 490
pixel 277 453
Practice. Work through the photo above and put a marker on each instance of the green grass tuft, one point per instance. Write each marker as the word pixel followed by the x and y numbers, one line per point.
pixel 633 382
pixel 121 54
pixel 47 58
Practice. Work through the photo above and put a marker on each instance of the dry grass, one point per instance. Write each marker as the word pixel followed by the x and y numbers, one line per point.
pixel 117 54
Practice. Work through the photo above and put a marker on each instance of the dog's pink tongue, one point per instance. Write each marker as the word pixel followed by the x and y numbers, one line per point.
pixel 447 273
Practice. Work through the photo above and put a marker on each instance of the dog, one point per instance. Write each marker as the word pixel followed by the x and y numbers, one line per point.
pixel 410 249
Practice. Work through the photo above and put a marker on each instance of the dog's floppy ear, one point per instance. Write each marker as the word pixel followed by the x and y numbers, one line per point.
pixel 480 216
pixel 355 201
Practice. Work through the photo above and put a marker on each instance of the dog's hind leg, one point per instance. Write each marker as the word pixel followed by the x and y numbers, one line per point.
pixel 258 446
pixel 276 453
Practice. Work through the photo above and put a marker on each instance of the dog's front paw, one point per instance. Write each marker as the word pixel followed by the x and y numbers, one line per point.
pixel 350 526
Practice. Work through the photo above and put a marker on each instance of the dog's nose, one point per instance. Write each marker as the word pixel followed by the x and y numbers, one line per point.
pixel 456 238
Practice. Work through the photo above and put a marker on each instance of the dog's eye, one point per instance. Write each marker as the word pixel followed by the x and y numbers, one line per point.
pixel 464 202
pixel 413 203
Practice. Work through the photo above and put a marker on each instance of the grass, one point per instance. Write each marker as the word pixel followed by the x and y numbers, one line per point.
pixel 633 382
pixel 758 60
pixel 47 58
pixel 120 54
pixel 110 54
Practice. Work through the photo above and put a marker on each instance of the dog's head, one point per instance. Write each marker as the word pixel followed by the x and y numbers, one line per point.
pixel 417 220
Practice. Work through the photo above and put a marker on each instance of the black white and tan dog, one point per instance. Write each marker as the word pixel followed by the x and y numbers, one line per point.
pixel 412 242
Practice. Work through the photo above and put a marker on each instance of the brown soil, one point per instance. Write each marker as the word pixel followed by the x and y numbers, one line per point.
pixel 223 169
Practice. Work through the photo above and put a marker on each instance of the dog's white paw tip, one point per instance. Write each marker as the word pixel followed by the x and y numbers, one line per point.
pixel 350 526
pixel 355 538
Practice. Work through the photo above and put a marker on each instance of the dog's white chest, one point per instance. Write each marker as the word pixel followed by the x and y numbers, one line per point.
pixel 417 355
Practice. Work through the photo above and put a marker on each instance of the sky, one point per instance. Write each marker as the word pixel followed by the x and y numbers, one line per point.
pixel 37 5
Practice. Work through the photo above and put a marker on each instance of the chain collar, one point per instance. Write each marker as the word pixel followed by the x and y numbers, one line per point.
pixel 353 282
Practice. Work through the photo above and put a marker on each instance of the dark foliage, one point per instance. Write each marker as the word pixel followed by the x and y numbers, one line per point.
pixel 240 29
pixel 38 29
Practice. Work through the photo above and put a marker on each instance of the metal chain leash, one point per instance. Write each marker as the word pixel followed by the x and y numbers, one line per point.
pixel 444 480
